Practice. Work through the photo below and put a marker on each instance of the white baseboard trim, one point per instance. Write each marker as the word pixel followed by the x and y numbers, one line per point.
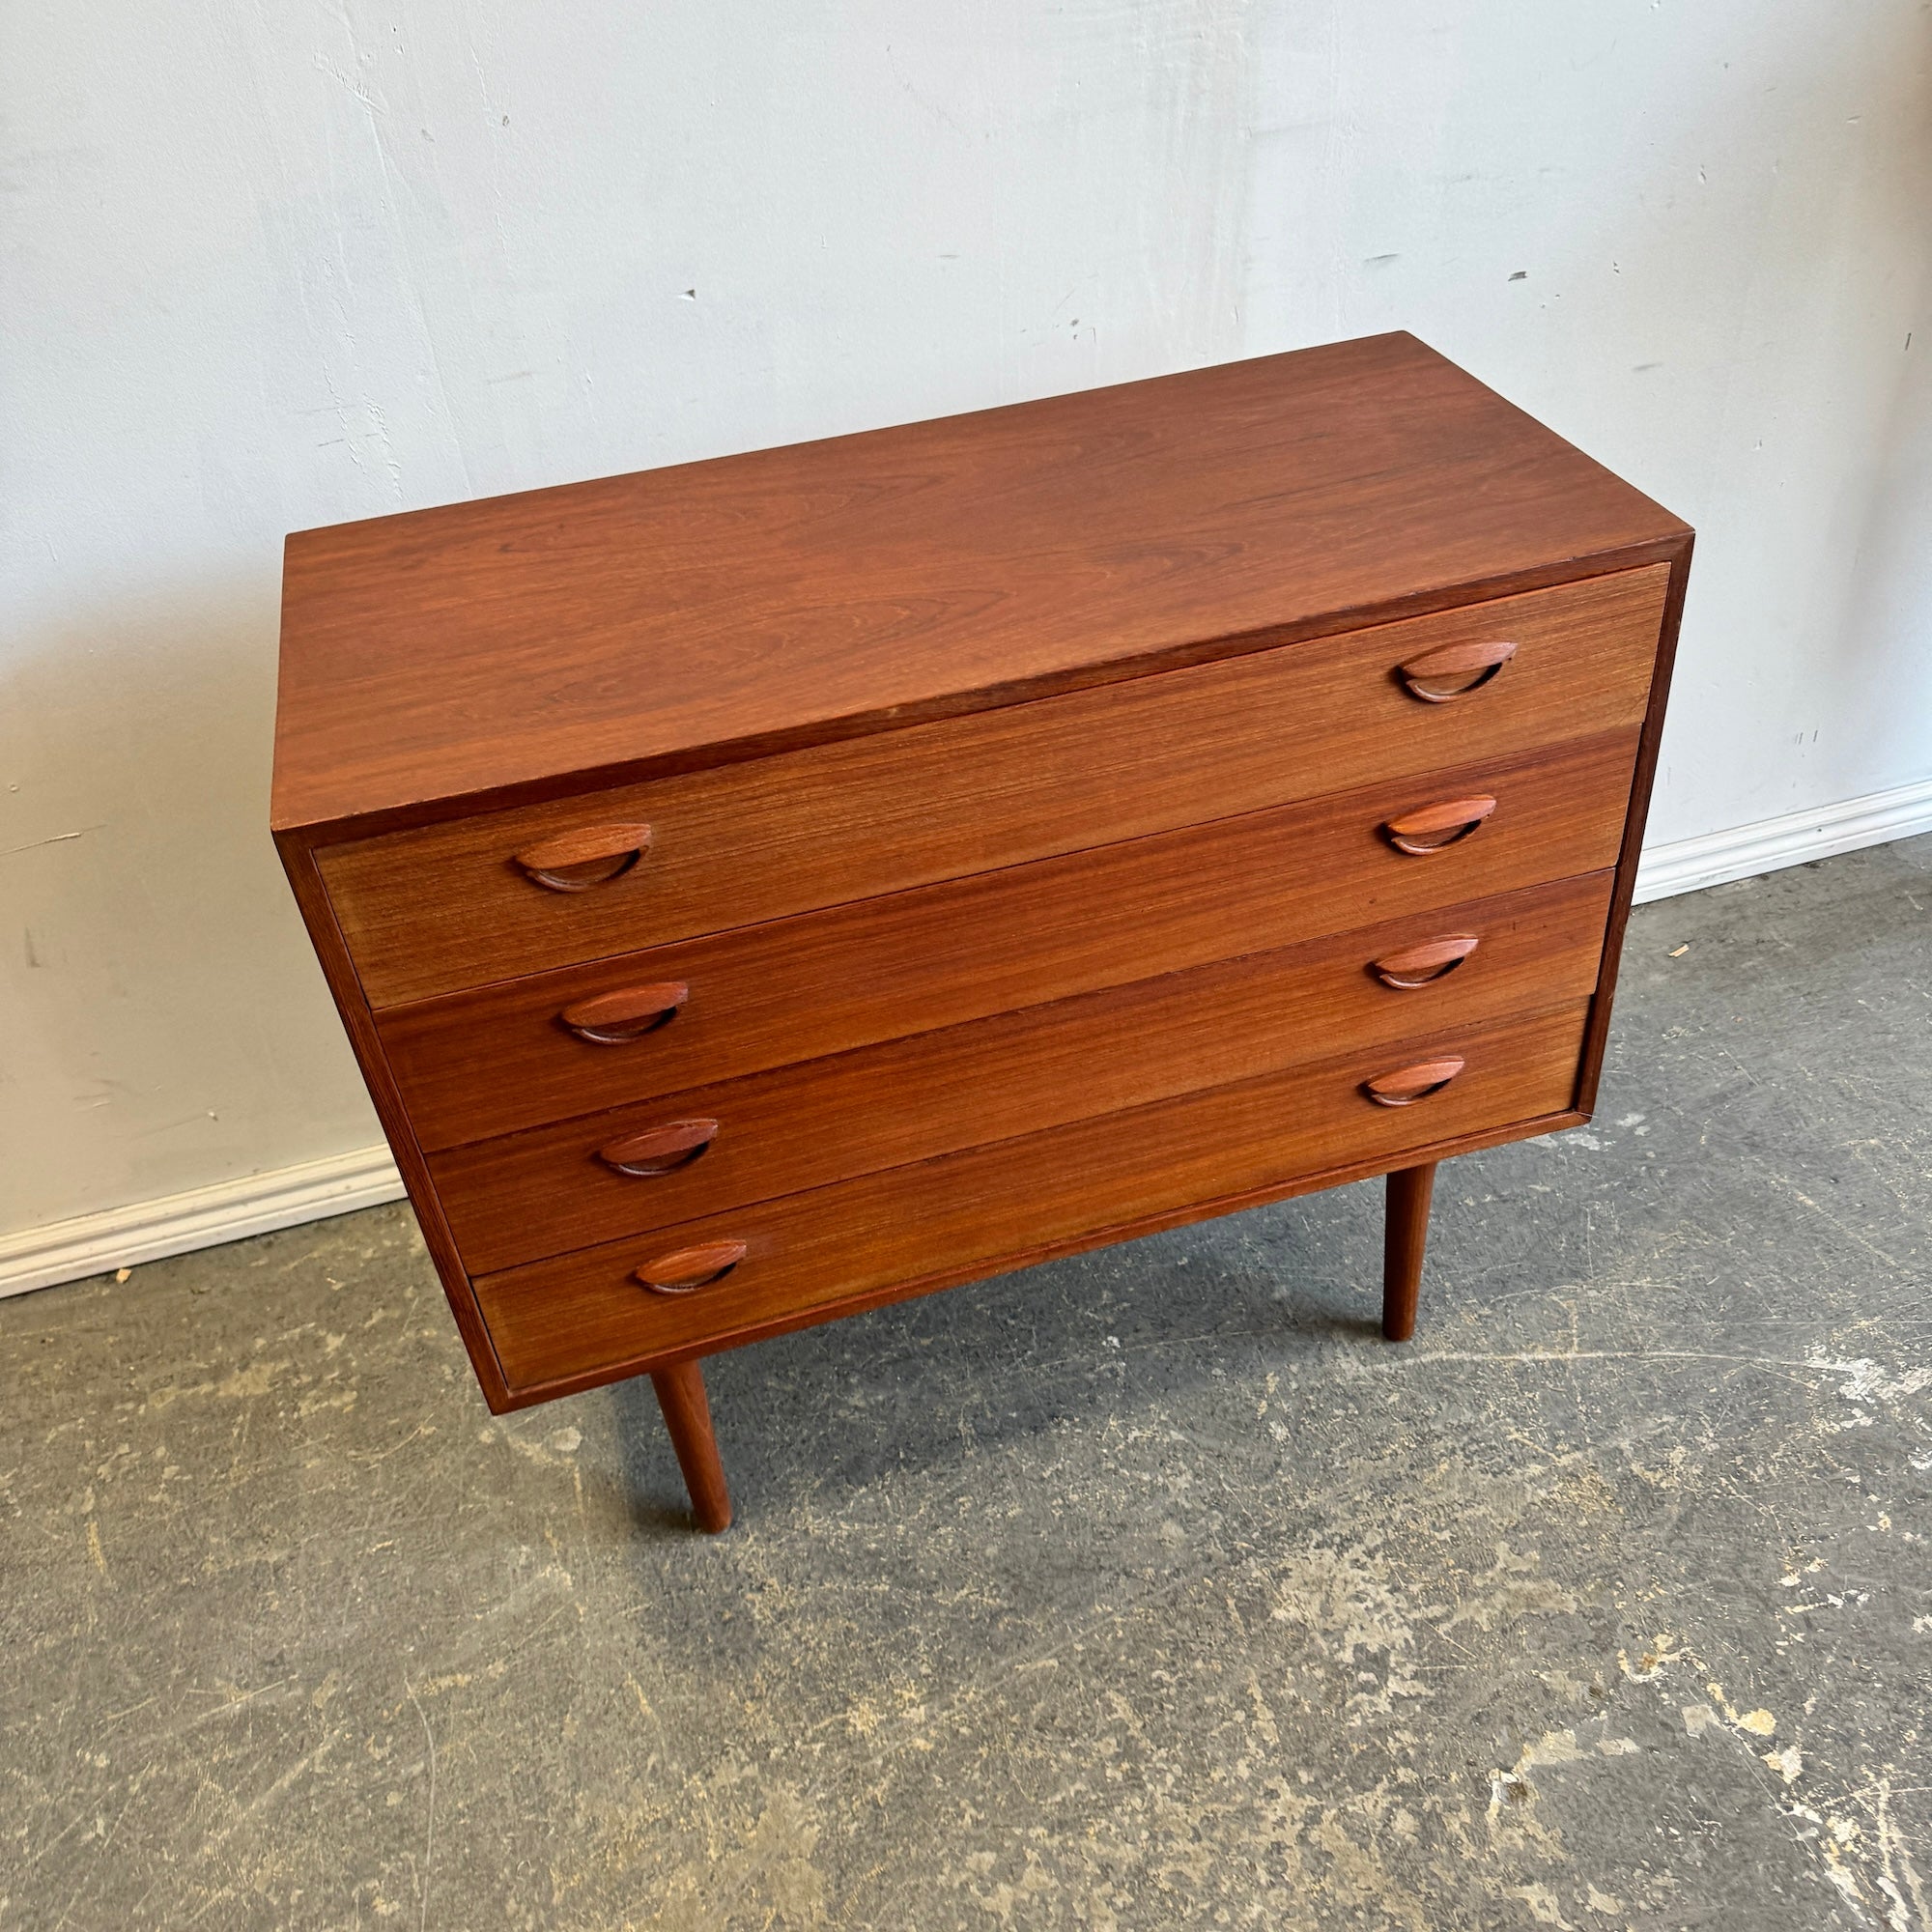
pixel 1689 865
pixel 177 1224
pixel 259 1203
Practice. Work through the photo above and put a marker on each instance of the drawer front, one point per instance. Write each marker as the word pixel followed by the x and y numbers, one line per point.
pixel 585 1314
pixel 508 893
pixel 477 1064
pixel 526 1196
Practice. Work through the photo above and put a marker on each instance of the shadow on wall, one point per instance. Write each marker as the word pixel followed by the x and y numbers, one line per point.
pixel 137 864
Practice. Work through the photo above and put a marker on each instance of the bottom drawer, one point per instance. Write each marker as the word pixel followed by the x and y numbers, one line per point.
pixel 585 1315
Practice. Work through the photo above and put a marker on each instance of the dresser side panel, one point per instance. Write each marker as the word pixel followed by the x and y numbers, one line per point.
pixel 1596 1039
pixel 338 970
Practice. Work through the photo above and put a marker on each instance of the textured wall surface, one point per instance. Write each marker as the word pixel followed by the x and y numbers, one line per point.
pixel 270 268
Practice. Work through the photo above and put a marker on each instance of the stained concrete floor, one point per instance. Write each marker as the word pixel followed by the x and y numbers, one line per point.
pixel 1149 1589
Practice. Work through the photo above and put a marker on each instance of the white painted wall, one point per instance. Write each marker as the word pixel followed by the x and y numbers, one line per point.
pixel 1722 215
pixel 267 267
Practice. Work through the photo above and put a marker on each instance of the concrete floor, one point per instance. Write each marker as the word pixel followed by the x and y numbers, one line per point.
pixel 1149 1589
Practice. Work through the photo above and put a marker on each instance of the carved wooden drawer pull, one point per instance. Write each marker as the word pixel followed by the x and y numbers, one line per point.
pixel 660 1149
pixel 1407 1085
pixel 576 861
pixel 1423 965
pixel 1437 677
pixel 689 1269
pixel 1432 827
pixel 612 1019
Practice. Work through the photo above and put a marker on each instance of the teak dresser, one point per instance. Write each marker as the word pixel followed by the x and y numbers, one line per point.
pixel 762 889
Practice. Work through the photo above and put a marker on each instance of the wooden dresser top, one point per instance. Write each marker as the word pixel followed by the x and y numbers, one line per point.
pixel 495 652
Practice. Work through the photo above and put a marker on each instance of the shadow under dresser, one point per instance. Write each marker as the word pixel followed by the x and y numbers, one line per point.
pixel 760 889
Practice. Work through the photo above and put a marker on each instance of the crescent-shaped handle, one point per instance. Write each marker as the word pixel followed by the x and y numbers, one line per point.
pixel 1406 1085
pixel 612 1019
pixel 1431 827
pixel 1440 676
pixel 660 1149
pixel 1423 965
pixel 689 1269
pixel 574 861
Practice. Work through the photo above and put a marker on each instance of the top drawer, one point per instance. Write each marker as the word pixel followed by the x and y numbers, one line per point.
pixel 504 893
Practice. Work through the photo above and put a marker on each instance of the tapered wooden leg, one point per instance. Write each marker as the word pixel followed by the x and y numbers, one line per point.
pixel 1405 1235
pixel 687 1415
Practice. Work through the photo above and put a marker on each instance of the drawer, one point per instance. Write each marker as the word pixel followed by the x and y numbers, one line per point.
pixel 477 1064
pixel 585 1315
pixel 450 906
pixel 523 1197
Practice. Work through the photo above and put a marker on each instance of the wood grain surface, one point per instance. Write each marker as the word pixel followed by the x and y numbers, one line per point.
pixel 526 1196
pixel 1637 815
pixel 968 832
pixel 338 971
pixel 455 905
pixel 584 1313
pixel 532 645
pixel 476 1064
pixel 1405 1242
